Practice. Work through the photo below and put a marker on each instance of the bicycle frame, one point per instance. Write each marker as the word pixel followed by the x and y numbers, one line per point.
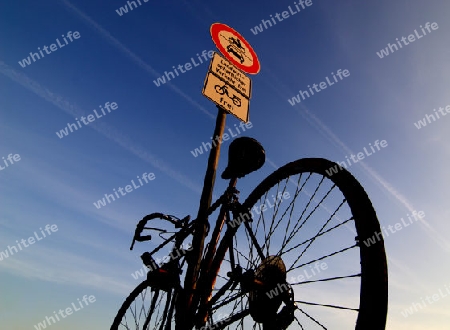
pixel 210 263
pixel 202 298
pixel 194 305
pixel 193 302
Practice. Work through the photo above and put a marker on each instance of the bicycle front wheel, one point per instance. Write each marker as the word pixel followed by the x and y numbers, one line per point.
pixel 315 238
pixel 147 308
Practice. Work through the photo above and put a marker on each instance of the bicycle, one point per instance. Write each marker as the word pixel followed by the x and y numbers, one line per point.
pixel 224 90
pixel 237 271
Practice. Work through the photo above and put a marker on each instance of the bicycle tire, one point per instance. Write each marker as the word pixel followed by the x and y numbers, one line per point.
pixel 163 284
pixel 373 287
pixel 161 323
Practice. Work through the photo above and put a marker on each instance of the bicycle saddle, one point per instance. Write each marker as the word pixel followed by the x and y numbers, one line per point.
pixel 245 155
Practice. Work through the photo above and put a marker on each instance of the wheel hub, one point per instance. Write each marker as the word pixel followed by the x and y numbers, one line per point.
pixel 270 290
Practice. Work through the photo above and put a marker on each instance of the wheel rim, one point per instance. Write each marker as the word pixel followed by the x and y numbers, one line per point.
pixel 146 308
pixel 324 205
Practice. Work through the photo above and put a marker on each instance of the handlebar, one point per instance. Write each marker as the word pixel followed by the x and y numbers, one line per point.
pixel 178 223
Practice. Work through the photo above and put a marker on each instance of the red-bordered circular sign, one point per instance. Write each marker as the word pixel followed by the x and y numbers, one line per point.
pixel 235 48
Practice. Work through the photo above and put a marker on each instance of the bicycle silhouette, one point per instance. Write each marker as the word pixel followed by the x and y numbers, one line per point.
pixel 294 218
pixel 224 90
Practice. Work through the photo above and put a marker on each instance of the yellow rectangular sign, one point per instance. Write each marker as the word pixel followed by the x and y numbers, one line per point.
pixel 225 96
pixel 226 71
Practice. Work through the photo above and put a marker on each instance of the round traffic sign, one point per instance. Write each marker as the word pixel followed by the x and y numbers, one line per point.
pixel 235 48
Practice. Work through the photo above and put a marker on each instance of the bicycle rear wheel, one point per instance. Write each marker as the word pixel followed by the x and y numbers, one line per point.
pixel 307 232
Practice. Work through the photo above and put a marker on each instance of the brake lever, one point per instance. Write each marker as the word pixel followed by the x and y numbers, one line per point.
pixel 132 243
pixel 140 239
pixel 144 238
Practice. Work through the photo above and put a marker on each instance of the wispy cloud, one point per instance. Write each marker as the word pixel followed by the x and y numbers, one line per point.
pixel 104 129
pixel 132 56
pixel 370 172
pixel 59 265
pixel 68 268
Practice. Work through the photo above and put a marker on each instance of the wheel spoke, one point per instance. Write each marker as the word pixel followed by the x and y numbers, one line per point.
pixel 298 322
pixel 227 301
pixel 312 318
pixel 272 229
pixel 233 318
pixel 314 238
pixel 152 307
pixel 327 279
pixel 295 229
pixel 254 240
pixel 146 308
pixel 297 192
pixel 312 212
pixel 266 244
pixel 324 305
pixel 323 233
pixel 324 257
pixel 248 259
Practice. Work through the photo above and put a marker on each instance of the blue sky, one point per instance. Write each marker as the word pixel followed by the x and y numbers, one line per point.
pixel 154 129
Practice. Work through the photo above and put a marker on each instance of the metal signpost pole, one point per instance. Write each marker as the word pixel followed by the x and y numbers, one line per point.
pixel 230 89
pixel 200 234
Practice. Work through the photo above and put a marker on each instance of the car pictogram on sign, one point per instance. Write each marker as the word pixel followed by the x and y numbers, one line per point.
pixel 235 48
